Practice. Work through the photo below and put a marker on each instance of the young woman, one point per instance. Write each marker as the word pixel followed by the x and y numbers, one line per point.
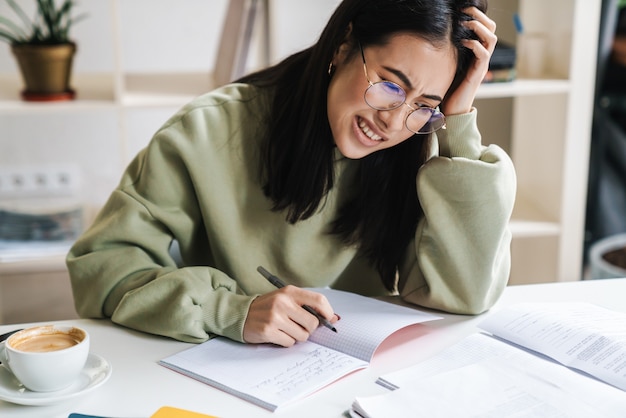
pixel 336 167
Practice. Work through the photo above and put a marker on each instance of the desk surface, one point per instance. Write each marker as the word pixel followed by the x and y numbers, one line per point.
pixel 139 386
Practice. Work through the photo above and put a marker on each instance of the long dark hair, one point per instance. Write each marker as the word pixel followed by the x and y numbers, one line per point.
pixel 298 155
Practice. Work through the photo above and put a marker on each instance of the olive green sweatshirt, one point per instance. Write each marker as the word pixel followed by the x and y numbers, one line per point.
pixel 197 183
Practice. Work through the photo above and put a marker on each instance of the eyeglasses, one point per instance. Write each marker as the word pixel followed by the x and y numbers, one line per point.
pixel 387 95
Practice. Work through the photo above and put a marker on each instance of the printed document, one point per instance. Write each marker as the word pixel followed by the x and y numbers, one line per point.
pixel 536 360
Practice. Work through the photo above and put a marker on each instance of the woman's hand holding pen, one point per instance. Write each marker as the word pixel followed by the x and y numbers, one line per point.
pixel 462 99
pixel 278 317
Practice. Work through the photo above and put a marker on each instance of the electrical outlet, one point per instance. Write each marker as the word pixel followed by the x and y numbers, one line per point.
pixel 44 180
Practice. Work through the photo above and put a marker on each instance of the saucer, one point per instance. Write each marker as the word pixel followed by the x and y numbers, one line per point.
pixel 96 371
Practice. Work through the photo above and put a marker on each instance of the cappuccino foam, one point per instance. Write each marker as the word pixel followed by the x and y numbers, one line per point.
pixel 45 342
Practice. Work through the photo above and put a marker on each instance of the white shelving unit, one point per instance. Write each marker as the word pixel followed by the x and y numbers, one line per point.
pixel 545 125
pixel 130 76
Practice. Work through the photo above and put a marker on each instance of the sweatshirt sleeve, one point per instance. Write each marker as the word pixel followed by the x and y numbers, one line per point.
pixel 459 260
pixel 121 266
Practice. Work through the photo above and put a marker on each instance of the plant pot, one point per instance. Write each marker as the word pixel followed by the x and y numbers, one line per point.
pixel 607 257
pixel 46 71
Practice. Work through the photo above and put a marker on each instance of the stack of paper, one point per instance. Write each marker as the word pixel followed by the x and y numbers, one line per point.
pixel 518 369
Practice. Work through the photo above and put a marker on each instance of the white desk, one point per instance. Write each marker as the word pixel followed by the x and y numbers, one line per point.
pixel 139 386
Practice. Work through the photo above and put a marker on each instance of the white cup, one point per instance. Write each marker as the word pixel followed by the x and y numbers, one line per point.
pixel 46 358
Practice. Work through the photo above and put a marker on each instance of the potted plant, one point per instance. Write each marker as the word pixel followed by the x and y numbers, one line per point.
pixel 607 257
pixel 43 48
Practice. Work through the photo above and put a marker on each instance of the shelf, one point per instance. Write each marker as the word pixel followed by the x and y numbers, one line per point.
pixel 96 91
pixel 523 87
pixel 168 89
pixel 164 89
pixel 526 229
pixel 93 91
pixel 529 221
pixel 51 263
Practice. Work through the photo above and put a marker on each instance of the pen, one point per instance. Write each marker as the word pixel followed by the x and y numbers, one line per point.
pixel 279 284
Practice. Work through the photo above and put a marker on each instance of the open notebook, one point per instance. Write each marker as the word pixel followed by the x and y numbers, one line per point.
pixel 272 376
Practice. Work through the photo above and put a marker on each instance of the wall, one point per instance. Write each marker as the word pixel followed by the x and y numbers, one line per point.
pixel 154 36
pixel 97 135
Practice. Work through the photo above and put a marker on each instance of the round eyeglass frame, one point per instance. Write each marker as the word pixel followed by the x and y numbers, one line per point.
pixel 434 119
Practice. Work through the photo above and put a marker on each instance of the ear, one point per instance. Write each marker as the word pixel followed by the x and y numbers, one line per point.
pixel 343 50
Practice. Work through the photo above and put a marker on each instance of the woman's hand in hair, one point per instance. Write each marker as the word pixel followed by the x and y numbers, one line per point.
pixel 462 99
pixel 278 317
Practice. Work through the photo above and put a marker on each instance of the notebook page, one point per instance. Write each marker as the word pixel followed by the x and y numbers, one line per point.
pixel 365 323
pixel 264 374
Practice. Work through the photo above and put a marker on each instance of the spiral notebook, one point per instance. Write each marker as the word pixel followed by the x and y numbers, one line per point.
pixel 271 376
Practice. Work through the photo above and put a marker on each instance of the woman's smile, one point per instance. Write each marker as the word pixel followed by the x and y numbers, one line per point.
pixel 368 131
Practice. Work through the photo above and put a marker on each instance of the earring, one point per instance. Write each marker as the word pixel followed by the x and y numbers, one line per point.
pixel 330 68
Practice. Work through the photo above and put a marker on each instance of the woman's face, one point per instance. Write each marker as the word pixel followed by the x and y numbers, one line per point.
pixel 423 71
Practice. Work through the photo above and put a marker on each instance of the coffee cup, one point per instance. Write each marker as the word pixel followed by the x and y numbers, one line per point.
pixel 46 358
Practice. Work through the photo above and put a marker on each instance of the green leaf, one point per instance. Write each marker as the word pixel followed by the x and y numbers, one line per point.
pixel 50 25
pixel 9 37
pixel 20 13
pixel 15 29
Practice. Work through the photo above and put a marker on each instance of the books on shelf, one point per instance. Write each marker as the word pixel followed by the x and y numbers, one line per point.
pixel 36 228
pixel 517 364
pixel 502 64
pixel 272 376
